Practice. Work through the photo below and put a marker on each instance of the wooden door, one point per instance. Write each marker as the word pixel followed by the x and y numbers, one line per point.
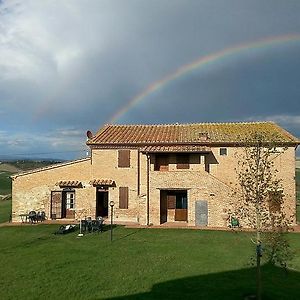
pixel 180 214
pixel 56 205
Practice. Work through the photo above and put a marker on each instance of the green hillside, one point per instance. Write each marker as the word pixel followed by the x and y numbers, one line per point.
pixel 5 183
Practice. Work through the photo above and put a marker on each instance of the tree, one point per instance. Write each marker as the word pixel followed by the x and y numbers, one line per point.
pixel 260 202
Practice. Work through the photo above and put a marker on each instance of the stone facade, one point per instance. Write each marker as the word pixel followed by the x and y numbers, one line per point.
pixel 211 177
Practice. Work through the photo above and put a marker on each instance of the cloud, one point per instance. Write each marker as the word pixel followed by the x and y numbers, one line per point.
pixel 68 66
pixel 63 143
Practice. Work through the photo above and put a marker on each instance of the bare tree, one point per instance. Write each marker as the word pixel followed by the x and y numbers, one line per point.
pixel 261 200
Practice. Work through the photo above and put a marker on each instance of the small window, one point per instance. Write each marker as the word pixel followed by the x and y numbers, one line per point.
pixel 124 158
pixel 123 197
pixel 223 151
pixel 183 161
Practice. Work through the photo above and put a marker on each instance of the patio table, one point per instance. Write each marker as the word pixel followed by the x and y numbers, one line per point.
pixel 24 218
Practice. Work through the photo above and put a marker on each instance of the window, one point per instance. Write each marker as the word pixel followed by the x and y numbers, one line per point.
pixel 124 158
pixel 171 201
pixel 223 151
pixel 183 161
pixel 123 197
pixel 181 201
pixel 70 200
pixel 161 163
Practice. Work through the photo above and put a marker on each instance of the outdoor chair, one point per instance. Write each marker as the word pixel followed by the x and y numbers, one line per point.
pixel 89 224
pixel 234 222
pixel 63 229
pixel 83 225
pixel 32 217
pixel 41 216
pixel 97 225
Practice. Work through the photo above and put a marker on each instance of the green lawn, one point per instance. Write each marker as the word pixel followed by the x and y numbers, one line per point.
pixel 138 264
pixel 5 210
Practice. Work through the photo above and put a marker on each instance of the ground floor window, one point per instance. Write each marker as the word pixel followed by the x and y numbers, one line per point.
pixel 181 200
pixel 70 200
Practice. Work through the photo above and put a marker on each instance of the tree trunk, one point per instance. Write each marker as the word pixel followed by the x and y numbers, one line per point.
pixel 258 276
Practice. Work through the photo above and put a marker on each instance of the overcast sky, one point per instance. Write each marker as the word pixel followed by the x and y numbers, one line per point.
pixel 68 66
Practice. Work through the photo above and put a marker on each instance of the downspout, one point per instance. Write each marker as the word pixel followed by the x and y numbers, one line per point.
pixel 148 187
pixel 138 174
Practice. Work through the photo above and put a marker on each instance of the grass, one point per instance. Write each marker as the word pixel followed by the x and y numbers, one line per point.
pixel 5 210
pixel 138 264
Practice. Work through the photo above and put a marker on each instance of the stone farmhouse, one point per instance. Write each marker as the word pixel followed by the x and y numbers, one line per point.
pixel 180 173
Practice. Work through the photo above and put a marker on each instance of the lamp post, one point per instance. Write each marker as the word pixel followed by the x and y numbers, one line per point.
pixel 111 203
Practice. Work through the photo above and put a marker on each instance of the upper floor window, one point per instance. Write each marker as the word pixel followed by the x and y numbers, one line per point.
pixel 161 163
pixel 124 158
pixel 223 151
pixel 183 161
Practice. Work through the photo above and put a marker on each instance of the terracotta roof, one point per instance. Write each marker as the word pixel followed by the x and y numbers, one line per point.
pixel 182 149
pixel 201 133
pixel 69 183
pixel 100 182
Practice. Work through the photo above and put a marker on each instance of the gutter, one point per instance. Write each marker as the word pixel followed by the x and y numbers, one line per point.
pixel 148 187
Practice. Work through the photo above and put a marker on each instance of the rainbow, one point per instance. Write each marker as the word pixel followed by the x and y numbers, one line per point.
pixel 200 63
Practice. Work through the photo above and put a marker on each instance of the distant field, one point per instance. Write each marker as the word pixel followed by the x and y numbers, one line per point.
pixel 25 165
pixel 5 183
pixel 12 167
pixel 9 168
pixel 5 210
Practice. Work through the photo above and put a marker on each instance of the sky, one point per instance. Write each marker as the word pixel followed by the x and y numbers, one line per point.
pixel 69 66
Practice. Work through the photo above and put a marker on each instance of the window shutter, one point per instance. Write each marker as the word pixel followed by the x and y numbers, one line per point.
pixel 171 201
pixel 124 158
pixel 161 163
pixel 183 161
pixel 123 197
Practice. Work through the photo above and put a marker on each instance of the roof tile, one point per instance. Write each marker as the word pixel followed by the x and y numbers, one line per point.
pixel 188 133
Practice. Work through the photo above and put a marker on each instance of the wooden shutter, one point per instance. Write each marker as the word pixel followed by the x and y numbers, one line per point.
pixel 124 158
pixel 171 201
pixel 123 197
pixel 161 163
pixel 183 161
pixel 275 199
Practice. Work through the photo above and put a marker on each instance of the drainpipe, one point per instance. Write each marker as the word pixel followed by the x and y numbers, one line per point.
pixel 138 174
pixel 148 187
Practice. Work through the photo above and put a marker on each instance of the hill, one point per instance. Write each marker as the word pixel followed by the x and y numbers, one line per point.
pixel 7 167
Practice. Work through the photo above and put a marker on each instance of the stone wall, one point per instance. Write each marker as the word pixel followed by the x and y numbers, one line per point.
pixel 32 190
